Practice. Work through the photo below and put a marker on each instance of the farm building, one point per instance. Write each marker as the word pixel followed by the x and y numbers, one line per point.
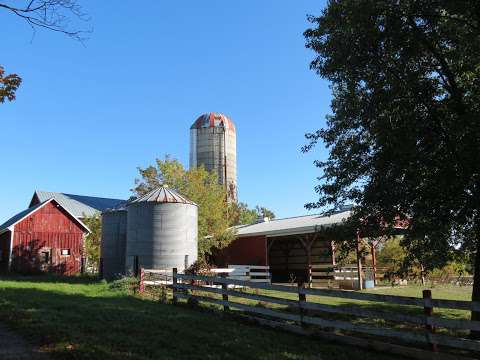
pixel 79 205
pixel 44 237
pixel 156 231
pixel 289 246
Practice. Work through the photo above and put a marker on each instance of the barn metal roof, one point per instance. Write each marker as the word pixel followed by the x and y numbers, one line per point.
pixel 293 225
pixel 213 119
pixel 120 207
pixel 79 205
pixel 163 194
pixel 23 214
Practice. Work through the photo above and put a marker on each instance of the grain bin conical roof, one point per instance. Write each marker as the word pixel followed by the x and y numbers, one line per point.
pixel 163 194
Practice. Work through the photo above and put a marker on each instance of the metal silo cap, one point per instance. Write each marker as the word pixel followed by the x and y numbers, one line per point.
pixel 163 194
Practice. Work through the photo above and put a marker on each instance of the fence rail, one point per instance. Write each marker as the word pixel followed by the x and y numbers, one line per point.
pixel 423 331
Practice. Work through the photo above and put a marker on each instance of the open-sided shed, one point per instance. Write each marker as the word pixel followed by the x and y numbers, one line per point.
pixel 290 246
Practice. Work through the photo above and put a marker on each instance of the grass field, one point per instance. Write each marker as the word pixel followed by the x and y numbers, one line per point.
pixel 85 319
pixel 438 292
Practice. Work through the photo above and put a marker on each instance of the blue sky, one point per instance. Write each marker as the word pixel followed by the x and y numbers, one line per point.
pixel 86 116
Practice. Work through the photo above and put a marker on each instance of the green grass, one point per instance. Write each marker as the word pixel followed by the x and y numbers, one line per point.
pixel 438 292
pixel 450 292
pixel 85 319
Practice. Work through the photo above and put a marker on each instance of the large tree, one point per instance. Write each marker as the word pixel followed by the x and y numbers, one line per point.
pixel 241 214
pixel 201 187
pixel 404 132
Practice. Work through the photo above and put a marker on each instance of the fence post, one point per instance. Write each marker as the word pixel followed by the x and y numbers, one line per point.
pixel 135 265
pixel 174 285
pixel 428 311
pixel 224 293
pixel 301 298
pixel 100 268
pixel 141 288
pixel 82 265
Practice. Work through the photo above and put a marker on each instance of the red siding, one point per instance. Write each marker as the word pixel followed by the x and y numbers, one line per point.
pixel 244 251
pixel 49 229
pixel 4 250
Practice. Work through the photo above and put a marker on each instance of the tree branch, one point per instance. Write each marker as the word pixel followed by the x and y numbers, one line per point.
pixel 52 15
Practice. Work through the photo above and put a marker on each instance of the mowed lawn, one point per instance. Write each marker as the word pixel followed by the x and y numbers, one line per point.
pixel 85 319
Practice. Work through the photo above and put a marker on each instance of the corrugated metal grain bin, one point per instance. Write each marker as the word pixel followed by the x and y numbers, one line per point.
pixel 162 230
pixel 114 241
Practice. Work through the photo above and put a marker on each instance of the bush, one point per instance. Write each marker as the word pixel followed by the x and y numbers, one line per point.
pixel 127 284
pixel 199 267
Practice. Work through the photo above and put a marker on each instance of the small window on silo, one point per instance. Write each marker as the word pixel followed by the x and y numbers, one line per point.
pixel 65 252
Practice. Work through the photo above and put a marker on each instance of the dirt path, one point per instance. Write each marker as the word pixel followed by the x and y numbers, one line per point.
pixel 13 347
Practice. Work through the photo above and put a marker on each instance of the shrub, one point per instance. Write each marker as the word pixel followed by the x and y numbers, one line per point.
pixel 127 284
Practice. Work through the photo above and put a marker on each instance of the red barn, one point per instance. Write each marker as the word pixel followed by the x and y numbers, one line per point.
pixel 45 237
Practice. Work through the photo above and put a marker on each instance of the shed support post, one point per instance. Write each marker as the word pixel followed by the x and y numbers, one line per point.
pixel 374 262
pixel 359 262
pixel 332 247
pixel 428 311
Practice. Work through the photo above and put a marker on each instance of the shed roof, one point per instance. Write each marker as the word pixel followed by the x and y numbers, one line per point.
pixel 23 214
pixel 293 225
pixel 78 205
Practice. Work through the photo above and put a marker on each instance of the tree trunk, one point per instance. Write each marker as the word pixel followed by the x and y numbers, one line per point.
pixel 476 285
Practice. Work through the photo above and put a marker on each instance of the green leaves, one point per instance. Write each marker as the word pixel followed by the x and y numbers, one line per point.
pixel 93 240
pixel 8 85
pixel 404 132
pixel 201 187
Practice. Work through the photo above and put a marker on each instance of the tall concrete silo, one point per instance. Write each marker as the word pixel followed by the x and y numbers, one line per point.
pixel 162 230
pixel 114 238
pixel 213 144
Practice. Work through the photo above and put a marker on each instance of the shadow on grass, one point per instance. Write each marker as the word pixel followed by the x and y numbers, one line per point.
pixel 51 278
pixel 112 325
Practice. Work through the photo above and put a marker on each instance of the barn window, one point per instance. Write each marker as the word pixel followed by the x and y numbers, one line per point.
pixel 45 257
pixel 66 252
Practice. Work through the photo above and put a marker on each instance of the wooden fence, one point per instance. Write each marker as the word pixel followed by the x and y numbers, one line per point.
pixel 346 277
pixel 254 273
pixel 164 277
pixel 422 329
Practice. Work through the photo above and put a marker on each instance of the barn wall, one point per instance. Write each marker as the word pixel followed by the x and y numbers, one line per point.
pixel 4 250
pixel 244 251
pixel 44 233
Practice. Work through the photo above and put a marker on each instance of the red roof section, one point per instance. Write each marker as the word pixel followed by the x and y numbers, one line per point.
pixel 211 120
